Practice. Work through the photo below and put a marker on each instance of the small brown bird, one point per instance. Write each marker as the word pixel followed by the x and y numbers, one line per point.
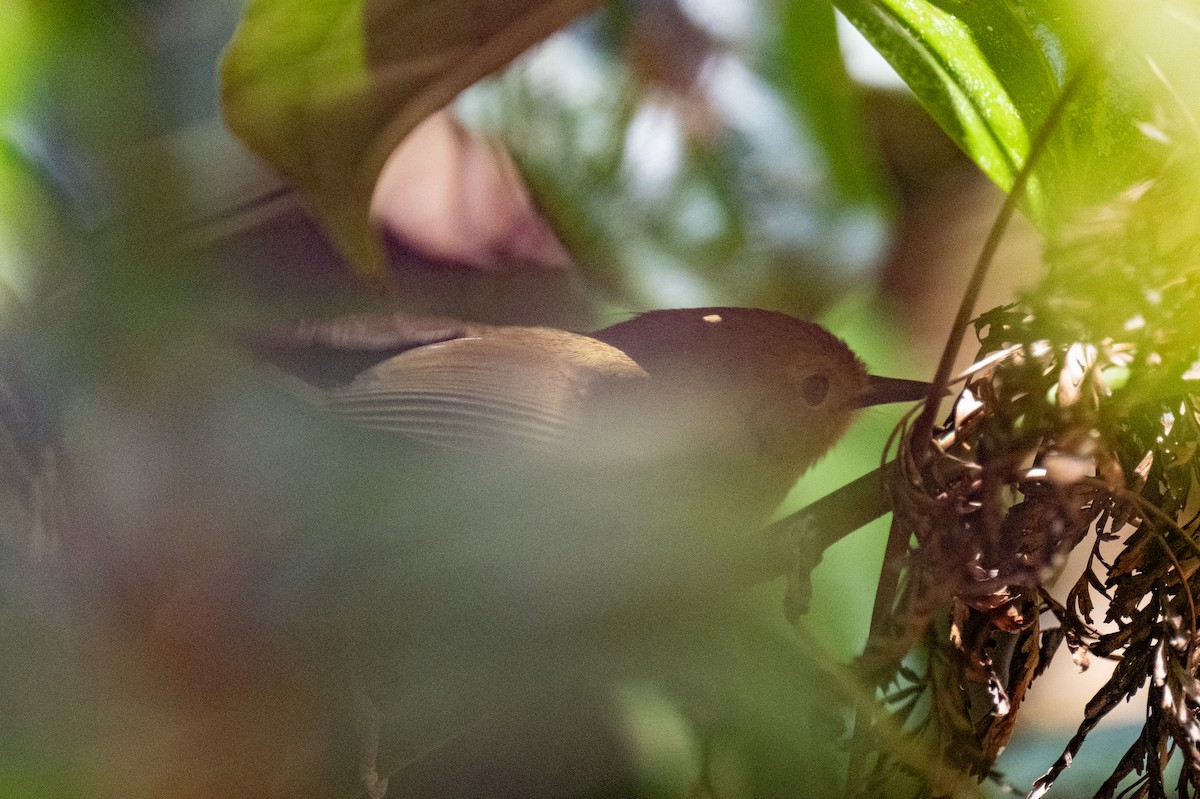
pixel 753 395
pixel 514 508
pixel 553 464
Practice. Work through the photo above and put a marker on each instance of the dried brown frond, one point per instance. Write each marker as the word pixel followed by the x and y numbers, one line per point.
pixel 1078 427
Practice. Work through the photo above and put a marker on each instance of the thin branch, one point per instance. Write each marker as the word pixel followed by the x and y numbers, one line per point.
pixel 923 429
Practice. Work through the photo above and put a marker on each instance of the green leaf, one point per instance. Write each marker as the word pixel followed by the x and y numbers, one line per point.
pixel 977 67
pixel 324 90
pixel 989 72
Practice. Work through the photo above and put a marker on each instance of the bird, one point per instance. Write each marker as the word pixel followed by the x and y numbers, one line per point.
pixel 754 397
pixel 548 468
pixel 512 503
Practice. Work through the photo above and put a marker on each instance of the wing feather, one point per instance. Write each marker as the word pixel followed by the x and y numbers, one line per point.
pixel 531 387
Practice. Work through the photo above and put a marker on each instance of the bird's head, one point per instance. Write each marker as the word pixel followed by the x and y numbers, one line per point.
pixel 792 385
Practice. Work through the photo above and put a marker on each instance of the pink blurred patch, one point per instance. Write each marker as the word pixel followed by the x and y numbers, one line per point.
pixel 454 196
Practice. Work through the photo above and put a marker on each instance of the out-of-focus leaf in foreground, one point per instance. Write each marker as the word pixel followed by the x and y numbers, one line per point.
pixel 325 91
pixel 18 41
pixel 39 687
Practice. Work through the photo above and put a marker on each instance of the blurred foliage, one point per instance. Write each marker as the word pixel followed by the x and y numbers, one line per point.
pixel 326 92
pixel 197 568
pixel 19 40
pixel 687 158
pixel 757 141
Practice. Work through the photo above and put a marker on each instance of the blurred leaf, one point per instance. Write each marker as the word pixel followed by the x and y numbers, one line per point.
pixel 36 244
pixel 731 692
pixel 326 91
pixel 18 42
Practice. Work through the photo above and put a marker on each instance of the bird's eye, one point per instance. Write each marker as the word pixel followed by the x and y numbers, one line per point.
pixel 814 389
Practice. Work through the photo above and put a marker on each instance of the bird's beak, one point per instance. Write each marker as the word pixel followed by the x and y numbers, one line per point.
pixel 882 390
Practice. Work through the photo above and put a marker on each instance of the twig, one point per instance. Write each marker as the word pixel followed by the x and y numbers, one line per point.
pixel 923 429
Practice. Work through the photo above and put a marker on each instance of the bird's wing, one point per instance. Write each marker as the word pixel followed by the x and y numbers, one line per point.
pixel 525 386
pixel 330 353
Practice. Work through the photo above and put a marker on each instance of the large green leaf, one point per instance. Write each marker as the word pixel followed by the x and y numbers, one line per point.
pixel 989 71
pixel 976 66
pixel 325 89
